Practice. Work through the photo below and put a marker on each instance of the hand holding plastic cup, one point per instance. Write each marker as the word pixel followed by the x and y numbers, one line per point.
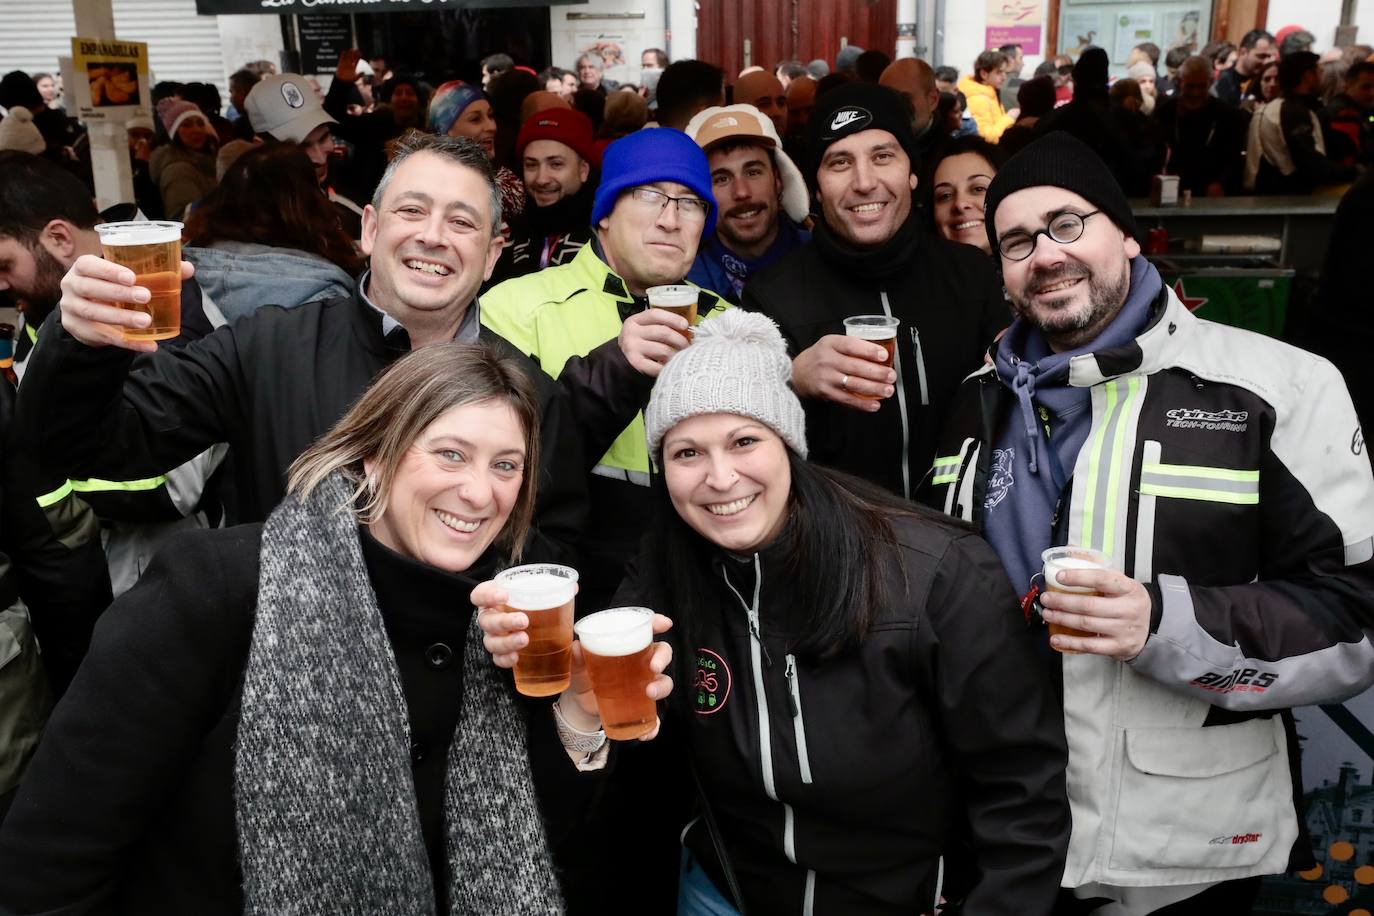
pixel 544 593
pixel 880 329
pixel 617 648
pixel 152 250
pixel 681 300
pixel 1060 559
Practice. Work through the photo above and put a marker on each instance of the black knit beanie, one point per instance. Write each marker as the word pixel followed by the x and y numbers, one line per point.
pixel 852 108
pixel 1060 160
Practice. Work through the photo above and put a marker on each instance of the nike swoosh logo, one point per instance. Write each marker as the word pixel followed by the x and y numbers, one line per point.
pixel 844 118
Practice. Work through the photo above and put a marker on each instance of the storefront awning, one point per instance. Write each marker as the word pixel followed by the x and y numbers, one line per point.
pixel 231 7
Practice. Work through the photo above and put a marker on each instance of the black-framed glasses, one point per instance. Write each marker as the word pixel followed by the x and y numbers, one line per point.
pixel 1064 228
pixel 689 208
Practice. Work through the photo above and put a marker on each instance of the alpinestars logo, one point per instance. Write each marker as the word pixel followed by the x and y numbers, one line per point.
pixel 1229 421
pixel 1235 839
pixel 1239 680
pixel 848 116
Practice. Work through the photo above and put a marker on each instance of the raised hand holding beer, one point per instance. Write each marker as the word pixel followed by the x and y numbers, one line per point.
pixel 650 337
pixel 99 299
pixel 1111 605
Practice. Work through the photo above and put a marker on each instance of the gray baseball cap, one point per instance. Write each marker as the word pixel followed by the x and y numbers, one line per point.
pixel 284 105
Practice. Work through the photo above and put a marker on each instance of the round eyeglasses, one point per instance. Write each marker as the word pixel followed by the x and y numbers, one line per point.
pixel 1064 228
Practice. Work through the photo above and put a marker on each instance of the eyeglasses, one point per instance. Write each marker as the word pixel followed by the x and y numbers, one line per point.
pixel 693 209
pixel 1064 228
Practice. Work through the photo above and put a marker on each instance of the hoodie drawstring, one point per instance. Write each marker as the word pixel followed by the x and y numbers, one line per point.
pixel 1024 387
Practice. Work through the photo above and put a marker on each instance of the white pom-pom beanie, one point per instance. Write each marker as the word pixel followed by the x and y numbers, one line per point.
pixel 737 363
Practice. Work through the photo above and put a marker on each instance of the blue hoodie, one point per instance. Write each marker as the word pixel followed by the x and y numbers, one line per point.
pixel 1034 454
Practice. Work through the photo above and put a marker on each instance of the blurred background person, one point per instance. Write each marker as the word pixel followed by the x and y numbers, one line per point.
pixel 268 236
pixel 1285 151
pixel 1205 137
pixel 981 88
pixel 461 110
pixel 184 169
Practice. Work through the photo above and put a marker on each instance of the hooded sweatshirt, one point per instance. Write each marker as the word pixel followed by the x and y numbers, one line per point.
pixel 1038 444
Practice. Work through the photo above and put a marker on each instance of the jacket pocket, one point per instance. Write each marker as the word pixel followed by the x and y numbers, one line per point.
pixel 1202 798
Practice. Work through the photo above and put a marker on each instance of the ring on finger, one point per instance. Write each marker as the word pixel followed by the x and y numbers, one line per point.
pixel 844 383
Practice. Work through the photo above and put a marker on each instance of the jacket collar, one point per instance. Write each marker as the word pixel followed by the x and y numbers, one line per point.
pixel 1158 346
pixel 589 271
pixel 382 332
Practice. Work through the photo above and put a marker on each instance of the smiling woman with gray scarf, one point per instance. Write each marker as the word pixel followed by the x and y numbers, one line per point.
pixel 298 716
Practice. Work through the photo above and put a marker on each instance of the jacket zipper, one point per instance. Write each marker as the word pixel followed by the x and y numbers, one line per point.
pixel 920 366
pixel 798 723
pixel 901 406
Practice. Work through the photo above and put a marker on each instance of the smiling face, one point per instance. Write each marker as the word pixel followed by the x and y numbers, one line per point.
pixel 747 190
pixel 553 171
pixel 431 242
pixel 649 246
pixel 961 183
pixel 456 486
pixel 476 123
pixel 865 184
pixel 729 479
pixel 1070 290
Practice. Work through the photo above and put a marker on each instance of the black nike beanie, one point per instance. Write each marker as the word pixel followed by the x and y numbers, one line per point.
pixel 852 108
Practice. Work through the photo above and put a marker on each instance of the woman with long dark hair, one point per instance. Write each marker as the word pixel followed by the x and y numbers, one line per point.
pixel 268 236
pixel 860 694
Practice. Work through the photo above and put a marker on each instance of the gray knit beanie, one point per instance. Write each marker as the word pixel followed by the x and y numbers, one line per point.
pixel 737 363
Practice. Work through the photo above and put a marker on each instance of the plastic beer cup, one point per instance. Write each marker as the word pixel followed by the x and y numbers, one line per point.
pixel 617 646
pixel 1059 559
pixel 152 250
pixel 544 593
pixel 680 300
pixel 881 330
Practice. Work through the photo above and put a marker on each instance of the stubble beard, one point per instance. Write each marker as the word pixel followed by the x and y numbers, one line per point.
pixel 1067 329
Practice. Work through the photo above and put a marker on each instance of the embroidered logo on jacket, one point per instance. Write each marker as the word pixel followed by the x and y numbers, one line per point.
pixel 711 686
pixel 1240 680
pixel 1229 421
pixel 1357 441
pixel 1235 839
pixel 1000 477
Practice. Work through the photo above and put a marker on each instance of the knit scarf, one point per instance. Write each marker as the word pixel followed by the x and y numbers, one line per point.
pixel 324 797
pixel 877 262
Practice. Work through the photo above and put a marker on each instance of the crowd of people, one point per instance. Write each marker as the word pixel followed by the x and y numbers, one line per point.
pixel 254 644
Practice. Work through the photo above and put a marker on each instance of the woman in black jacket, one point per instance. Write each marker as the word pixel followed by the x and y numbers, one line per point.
pixel 861 696
pixel 295 716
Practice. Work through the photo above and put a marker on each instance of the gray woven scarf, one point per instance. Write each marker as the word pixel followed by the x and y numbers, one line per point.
pixel 324 797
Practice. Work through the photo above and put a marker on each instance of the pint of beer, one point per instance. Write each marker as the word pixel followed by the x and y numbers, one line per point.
pixel 544 593
pixel 616 647
pixel 881 330
pixel 1058 559
pixel 152 250
pixel 680 300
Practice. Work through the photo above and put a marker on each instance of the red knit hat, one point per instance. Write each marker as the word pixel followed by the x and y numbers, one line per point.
pixel 569 127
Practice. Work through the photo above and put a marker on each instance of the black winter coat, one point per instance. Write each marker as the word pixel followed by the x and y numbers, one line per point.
pixel 269 385
pixel 949 300
pixel 838 784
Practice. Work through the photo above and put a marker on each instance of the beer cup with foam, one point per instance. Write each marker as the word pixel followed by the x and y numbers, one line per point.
pixel 1059 559
pixel 617 646
pixel 881 330
pixel 543 592
pixel 680 300
pixel 152 250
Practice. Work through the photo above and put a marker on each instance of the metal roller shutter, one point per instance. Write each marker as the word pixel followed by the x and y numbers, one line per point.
pixel 182 46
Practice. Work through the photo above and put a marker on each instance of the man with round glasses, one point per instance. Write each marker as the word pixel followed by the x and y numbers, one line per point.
pixel 588 323
pixel 1220 477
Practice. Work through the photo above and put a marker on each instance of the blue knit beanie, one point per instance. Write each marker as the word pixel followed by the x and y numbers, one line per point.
pixel 649 155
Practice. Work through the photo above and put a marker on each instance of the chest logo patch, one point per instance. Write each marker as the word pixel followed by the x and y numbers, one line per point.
pixel 711 686
pixel 1000 478
pixel 1229 421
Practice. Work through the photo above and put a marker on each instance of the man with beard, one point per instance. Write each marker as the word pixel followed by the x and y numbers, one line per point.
pixel 869 255
pixel 558 154
pixel 1221 476
pixel 760 197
